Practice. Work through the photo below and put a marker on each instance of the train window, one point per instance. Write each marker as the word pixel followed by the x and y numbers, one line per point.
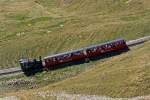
pixel 120 42
pixel 54 59
pixel 117 43
pixel 113 45
pixel 103 47
pixel 94 49
pixel 60 57
pixel 67 55
pixel 100 47
pixel 109 46
pixel 89 51
pixel 124 42
pixel 106 46
pixel 77 53
pixel 84 52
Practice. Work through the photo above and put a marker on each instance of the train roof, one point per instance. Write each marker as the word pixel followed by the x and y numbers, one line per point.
pixel 72 51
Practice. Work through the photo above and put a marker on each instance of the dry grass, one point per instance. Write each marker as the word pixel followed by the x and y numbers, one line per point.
pixel 35 28
pixel 125 75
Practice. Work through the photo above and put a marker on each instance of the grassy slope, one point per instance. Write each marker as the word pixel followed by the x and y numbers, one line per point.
pixel 125 75
pixel 45 27
pixel 7 83
pixel 32 28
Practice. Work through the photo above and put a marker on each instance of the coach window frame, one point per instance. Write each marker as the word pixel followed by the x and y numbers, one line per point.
pixel 102 48
pixel 54 59
pixel 109 45
pixel 67 55
pixel 77 53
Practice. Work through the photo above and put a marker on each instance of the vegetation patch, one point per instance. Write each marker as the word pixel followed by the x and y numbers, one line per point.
pixel 20 82
pixel 113 77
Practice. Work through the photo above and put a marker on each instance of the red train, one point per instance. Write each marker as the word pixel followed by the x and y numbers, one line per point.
pixel 50 62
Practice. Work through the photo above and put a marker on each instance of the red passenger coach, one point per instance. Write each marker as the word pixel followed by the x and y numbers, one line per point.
pixel 84 53
pixel 61 58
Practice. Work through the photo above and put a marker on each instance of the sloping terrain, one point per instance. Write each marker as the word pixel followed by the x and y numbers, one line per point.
pixel 106 6
pixel 125 75
pixel 33 28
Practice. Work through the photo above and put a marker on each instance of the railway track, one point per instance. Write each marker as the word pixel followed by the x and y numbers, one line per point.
pixel 130 43
pixel 138 41
pixel 10 71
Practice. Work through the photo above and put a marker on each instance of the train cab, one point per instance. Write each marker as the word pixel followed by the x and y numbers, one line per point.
pixel 31 66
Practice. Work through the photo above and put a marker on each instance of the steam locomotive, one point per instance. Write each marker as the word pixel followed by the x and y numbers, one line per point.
pixel 51 62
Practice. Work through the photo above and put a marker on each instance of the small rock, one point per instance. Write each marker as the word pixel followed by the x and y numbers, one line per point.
pixel 61 25
pixel 9 98
pixel 49 31
pixel 29 24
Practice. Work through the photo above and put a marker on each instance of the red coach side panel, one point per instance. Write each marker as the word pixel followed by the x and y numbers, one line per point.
pixel 83 53
pixel 108 47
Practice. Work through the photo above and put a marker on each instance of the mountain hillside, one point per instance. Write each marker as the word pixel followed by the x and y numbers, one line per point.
pixel 105 6
pixel 115 77
pixel 34 28
pixel 125 75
